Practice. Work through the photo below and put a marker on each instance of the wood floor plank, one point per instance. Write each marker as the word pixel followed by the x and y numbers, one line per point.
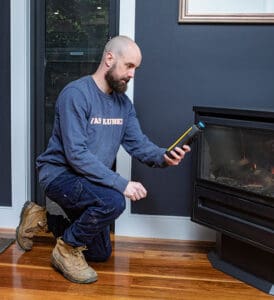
pixel 138 269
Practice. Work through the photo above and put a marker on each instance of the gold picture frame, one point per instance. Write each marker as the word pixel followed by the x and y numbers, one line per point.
pixel 229 11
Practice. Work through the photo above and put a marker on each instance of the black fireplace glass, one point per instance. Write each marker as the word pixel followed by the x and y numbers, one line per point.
pixel 241 158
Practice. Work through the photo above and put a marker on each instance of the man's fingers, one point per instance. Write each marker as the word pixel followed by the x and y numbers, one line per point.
pixel 135 191
pixel 140 192
pixel 176 155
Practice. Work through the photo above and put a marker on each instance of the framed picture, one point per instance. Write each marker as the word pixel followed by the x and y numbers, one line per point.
pixel 226 11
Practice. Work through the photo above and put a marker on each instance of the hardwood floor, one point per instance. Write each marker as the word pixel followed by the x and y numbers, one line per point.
pixel 138 269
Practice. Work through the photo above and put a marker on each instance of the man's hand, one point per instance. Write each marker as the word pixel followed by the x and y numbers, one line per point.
pixel 178 154
pixel 135 191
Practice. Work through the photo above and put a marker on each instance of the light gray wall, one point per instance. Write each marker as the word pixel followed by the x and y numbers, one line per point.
pixel 18 138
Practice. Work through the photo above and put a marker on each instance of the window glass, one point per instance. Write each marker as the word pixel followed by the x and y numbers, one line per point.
pixel 76 32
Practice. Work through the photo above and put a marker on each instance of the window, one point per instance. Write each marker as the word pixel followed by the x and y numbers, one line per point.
pixel 69 37
pixel 76 32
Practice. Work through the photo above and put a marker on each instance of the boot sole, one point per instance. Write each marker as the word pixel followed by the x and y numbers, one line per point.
pixel 58 267
pixel 17 229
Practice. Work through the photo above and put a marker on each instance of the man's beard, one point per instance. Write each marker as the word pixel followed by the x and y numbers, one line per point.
pixel 117 85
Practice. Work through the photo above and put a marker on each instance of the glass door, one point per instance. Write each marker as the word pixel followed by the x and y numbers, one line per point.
pixel 69 39
pixel 239 157
pixel 76 32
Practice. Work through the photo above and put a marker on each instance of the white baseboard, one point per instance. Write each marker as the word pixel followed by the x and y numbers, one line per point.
pixel 163 227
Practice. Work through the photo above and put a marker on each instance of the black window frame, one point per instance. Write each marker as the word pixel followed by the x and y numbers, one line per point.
pixel 37 67
pixel 5 112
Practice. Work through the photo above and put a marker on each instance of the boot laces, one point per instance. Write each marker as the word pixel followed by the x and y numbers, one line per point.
pixel 40 226
pixel 79 256
pixel 78 250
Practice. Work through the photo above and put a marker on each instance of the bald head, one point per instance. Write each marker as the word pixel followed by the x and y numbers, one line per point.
pixel 120 45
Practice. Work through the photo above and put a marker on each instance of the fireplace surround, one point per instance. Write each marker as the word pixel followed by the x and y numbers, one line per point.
pixel 233 191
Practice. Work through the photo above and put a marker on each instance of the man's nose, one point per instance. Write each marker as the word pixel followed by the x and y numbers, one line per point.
pixel 131 73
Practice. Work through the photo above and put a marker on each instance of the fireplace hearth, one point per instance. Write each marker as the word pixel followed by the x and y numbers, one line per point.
pixel 234 191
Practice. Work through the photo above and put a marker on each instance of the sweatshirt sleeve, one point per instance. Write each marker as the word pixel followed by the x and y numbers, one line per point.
pixel 72 110
pixel 139 146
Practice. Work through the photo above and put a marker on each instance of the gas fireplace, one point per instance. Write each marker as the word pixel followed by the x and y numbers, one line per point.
pixel 234 191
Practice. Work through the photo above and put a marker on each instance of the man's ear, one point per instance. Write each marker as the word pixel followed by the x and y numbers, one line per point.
pixel 109 59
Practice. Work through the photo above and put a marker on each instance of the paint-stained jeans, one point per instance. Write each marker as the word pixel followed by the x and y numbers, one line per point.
pixel 91 208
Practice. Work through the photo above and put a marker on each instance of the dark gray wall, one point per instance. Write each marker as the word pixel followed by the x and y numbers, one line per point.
pixel 5 132
pixel 223 65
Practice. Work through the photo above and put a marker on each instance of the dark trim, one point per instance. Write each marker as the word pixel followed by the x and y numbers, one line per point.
pixel 5 111
pixel 37 91
pixel 250 279
pixel 114 16
pixel 234 113
pixel 32 111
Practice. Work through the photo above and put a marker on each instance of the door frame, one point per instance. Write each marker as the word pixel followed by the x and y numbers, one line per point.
pixel 37 66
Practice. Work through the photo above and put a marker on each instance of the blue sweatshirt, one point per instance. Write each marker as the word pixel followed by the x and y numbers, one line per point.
pixel 89 128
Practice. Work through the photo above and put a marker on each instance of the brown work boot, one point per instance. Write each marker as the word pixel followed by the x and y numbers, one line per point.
pixel 32 220
pixel 71 262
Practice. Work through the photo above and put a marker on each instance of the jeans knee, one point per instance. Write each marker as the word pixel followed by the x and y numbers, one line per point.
pixel 120 205
pixel 114 206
